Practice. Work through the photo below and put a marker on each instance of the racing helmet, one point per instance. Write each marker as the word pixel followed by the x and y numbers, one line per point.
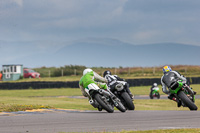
pixel 87 70
pixel 166 69
pixel 155 84
pixel 106 73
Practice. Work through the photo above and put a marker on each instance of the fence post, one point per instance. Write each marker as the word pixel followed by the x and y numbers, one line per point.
pixel 115 71
pixel 142 71
pixel 62 72
pixel 49 73
pixel 185 70
pixel 154 70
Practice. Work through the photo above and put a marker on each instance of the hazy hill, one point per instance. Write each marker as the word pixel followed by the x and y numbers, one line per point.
pixel 123 54
pixel 103 52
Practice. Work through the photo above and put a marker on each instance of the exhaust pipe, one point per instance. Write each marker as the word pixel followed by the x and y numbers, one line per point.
pixel 93 103
pixel 103 92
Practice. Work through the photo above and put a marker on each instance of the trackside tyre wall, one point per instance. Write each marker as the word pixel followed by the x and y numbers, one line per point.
pixel 74 84
pixel 187 101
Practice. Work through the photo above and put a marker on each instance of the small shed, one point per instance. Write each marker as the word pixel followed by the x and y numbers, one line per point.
pixel 12 72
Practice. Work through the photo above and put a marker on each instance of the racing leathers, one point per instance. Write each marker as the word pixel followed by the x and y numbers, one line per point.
pixel 91 77
pixel 167 81
pixel 112 82
pixel 169 78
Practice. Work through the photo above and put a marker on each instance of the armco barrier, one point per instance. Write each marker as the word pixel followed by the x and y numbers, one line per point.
pixel 74 84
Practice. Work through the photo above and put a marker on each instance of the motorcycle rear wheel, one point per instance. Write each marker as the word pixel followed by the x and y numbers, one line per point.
pixel 158 96
pixel 104 104
pixel 187 101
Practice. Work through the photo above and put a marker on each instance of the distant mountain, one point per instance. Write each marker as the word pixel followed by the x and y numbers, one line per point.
pixel 116 53
pixel 111 53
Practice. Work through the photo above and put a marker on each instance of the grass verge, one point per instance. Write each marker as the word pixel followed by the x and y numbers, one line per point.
pixel 57 98
pixel 18 107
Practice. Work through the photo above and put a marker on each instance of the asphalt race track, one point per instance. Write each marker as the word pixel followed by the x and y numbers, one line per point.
pixel 90 121
pixel 135 97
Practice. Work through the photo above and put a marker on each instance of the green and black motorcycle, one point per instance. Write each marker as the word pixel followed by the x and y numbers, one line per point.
pixel 183 93
pixel 154 92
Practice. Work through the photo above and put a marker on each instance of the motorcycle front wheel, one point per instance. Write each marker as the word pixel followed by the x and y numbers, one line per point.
pixel 187 101
pixel 104 104
pixel 120 107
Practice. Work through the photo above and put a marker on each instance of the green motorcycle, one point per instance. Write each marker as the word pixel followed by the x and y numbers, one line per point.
pixel 154 93
pixel 183 93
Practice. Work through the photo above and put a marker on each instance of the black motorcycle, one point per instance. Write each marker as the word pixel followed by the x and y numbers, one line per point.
pixel 121 92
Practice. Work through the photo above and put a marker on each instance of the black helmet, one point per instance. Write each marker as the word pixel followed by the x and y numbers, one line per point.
pixel 106 72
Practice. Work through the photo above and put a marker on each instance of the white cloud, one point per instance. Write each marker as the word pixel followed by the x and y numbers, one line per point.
pixel 19 2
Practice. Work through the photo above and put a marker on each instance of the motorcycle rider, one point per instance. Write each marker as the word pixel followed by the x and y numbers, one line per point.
pixel 153 86
pixel 89 77
pixel 112 82
pixel 168 79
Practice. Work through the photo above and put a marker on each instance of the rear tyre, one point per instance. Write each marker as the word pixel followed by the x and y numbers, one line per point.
pixel 187 101
pixel 104 104
pixel 128 101
pixel 158 96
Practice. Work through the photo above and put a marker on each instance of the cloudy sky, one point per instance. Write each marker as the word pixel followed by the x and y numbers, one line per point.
pixel 131 21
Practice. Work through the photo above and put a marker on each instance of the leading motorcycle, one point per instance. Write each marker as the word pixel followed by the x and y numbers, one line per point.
pixel 184 93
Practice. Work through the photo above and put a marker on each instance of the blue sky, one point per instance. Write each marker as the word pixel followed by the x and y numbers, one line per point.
pixel 45 23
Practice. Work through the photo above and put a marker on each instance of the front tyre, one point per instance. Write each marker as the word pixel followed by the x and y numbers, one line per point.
pixel 104 104
pixel 120 107
pixel 187 101
pixel 128 100
pixel 150 95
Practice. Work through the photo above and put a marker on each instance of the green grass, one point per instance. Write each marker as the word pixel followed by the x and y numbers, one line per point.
pixel 18 107
pixel 58 98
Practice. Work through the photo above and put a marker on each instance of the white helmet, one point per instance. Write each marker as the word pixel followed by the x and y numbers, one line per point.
pixel 155 84
pixel 87 70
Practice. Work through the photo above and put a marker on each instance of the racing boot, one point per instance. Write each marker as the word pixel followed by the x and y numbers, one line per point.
pixel 171 97
pixel 194 91
pixel 99 108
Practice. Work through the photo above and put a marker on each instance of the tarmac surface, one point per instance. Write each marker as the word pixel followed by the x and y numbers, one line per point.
pixel 55 121
pixel 60 120
pixel 135 97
